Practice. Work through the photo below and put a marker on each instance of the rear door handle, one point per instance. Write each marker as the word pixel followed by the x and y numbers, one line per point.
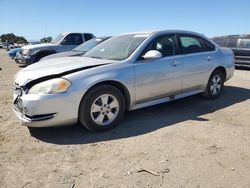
pixel 175 63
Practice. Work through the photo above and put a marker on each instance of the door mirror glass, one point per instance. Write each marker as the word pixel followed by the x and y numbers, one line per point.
pixel 152 54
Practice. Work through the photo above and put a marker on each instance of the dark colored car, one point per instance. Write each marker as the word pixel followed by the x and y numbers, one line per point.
pixel 79 50
pixel 240 45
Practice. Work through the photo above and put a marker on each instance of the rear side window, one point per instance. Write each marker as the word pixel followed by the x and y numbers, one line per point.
pixel 245 43
pixel 194 44
pixel 208 46
pixel 87 36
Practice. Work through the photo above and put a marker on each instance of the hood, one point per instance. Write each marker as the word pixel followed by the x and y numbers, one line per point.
pixel 57 66
pixel 34 46
pixel 62 54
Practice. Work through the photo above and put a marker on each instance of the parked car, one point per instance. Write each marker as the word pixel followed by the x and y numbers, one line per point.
pixel 12 53
pixel 126 72
pixel 240 45
pixel 79 50
pixel 4 45
pixel 10 46
pixel 64 42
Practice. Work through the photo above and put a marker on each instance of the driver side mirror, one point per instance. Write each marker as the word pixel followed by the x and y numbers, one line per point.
pixel 152 54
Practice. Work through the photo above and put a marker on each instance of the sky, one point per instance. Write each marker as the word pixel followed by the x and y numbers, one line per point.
pixel 35 19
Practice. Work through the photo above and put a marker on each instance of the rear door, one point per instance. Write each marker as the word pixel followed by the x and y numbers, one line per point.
pixel 197 58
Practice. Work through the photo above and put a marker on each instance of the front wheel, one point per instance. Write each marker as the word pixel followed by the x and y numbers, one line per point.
pixel 102 108
pixel 215 85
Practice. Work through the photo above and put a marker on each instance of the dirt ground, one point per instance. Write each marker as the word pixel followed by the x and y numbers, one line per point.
pixel 191 142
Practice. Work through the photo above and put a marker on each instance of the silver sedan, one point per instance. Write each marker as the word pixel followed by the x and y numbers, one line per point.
pixel 125 72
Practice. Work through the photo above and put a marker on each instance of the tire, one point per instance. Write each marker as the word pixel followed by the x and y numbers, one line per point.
pixel 102 108
pixel 215 85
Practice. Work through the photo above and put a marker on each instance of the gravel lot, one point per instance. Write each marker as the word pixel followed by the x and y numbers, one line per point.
pixel 192 142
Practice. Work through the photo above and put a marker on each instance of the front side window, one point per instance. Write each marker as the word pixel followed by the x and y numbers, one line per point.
pixel 165 44
pixel 195 44
pixel 72 39
pixel 117 48
pixel 245 43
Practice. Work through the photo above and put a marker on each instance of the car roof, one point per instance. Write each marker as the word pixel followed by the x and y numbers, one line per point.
pixel 162 31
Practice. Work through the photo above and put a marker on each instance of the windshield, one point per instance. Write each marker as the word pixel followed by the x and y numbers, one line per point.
pixel 58 38
pixel 117 48
pixel 86 46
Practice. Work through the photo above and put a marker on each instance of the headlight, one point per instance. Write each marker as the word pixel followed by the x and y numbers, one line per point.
pixel 26 51
pixel 57 85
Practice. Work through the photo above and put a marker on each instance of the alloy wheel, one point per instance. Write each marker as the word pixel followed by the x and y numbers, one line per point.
pixel 216 85
pixel 104 109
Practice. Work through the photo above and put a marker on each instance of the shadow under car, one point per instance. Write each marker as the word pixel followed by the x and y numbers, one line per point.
pixel 145 120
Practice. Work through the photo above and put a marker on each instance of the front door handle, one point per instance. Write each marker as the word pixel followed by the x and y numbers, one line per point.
pixel 175 63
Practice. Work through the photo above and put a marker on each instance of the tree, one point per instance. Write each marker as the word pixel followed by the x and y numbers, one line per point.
pixel 21 40
pixel 46 39
pixel 11 38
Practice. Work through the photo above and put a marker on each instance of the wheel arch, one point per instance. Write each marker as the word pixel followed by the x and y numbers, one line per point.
pixel 120 86
pixel 44 51
pixel 222 70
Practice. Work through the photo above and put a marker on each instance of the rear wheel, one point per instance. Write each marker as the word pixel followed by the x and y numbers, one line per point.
pixel 102 108
pixel 215 85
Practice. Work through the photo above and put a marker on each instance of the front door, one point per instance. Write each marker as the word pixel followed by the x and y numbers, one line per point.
pixel 161 77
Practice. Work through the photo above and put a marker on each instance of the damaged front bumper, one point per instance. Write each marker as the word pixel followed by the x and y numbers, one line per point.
pixel 46 110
